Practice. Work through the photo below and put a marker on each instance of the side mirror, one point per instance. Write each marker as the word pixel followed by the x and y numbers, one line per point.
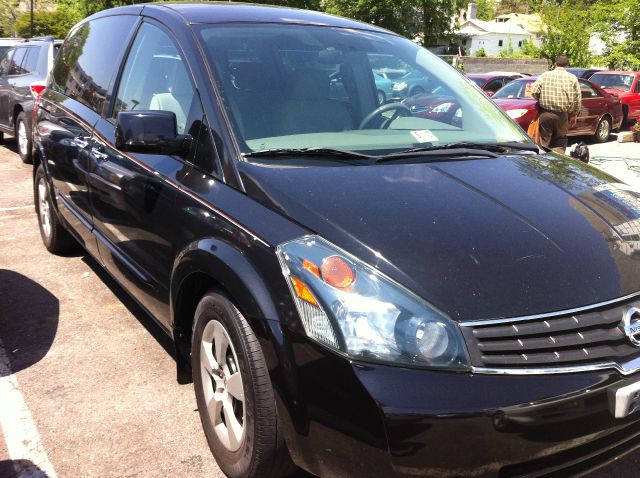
pixel 150 132
pixel 489 93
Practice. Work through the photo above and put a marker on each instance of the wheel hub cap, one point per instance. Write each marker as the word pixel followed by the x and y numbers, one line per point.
pixel 22 138
pixel 222 385
pixel 43 208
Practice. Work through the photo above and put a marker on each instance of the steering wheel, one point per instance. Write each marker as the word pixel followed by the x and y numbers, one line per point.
pixel 398 107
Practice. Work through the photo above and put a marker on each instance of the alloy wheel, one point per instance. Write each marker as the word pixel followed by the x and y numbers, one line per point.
pixel 604 128
pixel 222 385
pixel 43 208
pixel 23 140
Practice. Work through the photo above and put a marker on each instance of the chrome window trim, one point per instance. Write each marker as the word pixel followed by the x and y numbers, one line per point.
pixel 479 323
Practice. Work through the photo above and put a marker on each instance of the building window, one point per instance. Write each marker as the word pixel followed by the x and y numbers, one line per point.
pixel 520 43
pixel 499 42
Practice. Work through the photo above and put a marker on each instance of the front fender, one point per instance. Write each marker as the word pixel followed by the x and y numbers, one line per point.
pixel 231 269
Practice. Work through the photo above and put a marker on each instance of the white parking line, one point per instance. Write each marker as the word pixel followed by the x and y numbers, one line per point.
pixel 15 208
pixel 20 433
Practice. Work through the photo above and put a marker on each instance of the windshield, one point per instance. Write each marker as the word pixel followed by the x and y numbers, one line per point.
pixel 615 82
pixel 477 81
pixel 302 86
pixel 515 89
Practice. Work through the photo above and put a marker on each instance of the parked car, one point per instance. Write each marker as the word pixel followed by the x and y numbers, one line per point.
pixel 354 290
pixel 383 87
pixel 585 73
pixel 490 83
pixel 412 83
pixel 626 86
pixel 512 74
pixel 600 114
pixel 23 71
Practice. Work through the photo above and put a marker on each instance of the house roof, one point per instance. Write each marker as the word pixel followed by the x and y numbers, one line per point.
pixel 532 23
pixel 480 27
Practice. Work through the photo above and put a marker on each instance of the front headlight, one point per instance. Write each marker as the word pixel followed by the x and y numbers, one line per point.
pixel 401 85
pixel 354 309
pixel 442 108
pixel 515 114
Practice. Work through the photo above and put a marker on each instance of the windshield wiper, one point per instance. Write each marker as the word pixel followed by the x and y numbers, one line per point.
pixel 462 149
pixel 321 153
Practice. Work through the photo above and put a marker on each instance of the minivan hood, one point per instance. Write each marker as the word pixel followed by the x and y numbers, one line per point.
pixel 479 239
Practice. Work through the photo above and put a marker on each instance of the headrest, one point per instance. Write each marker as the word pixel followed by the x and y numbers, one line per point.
pixel 310 85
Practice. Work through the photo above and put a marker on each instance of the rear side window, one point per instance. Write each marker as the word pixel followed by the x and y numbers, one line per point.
pixel 15 66
pixel 89 57
pixel 6 61
pixel 30 62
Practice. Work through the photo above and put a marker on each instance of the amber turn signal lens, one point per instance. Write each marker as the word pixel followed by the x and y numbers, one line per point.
pixel 303 292
pixel 311 267
pixel 337 273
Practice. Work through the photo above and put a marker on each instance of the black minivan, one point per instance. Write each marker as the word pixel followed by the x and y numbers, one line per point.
pixel 355 290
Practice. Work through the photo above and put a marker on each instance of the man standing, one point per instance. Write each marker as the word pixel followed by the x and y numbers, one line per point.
pixel 558 94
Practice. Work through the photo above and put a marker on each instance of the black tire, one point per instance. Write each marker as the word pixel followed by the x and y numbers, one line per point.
pixel 418 90
pixel 261 452
pixel 625 117
pixel 603 130
pixel 54 237
pixel 23 141
pixel 1 137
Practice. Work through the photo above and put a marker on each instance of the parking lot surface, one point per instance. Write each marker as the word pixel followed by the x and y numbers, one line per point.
pixel 87 380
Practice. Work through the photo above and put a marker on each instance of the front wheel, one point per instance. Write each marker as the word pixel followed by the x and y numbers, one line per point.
pixel 603 130
pixel 234 394
pixel 23 138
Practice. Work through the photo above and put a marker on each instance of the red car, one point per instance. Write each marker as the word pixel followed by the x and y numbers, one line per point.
pixel 626 86
pixel 600 114
pixel 490 83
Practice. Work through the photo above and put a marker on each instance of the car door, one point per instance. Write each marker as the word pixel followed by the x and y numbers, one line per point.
pixel 4 87
pixel 68 111
pixel 592 109
pixel 634 102
pixel 134 194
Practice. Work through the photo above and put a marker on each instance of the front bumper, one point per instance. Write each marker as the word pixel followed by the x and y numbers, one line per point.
pixel 353 419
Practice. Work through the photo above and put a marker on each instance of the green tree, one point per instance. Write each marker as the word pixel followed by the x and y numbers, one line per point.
pixel 487 9
pixel 618 24
pixel 569 27
pixel 392 15
pixel 513 6
pixel 9 14
pixel 54 23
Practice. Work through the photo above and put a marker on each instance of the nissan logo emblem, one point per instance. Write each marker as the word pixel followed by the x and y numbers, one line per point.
pixel 631 322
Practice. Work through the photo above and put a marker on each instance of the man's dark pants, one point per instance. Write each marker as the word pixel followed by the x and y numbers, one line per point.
pixel 553 129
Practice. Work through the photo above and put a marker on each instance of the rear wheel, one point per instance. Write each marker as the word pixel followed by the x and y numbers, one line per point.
pixel 234 394
pixel 23 138
pixel 603 130
pixel 54 236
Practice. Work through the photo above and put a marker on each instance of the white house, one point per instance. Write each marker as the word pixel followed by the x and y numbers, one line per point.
pixel 493 36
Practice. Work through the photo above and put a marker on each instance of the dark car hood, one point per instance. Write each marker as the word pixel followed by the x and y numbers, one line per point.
pixel 479 239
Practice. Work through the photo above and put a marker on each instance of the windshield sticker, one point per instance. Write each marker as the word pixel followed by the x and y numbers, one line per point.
pixel 424 136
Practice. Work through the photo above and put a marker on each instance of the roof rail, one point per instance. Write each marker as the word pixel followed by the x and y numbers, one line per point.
pixel 48 38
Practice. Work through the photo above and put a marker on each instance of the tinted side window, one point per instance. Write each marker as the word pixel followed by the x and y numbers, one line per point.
pixel 4 64
pixel 156 78
pixel 15 66
pixel 30 63
pixel 88 58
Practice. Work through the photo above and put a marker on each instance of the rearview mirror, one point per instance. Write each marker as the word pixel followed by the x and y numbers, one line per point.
pixel 150 132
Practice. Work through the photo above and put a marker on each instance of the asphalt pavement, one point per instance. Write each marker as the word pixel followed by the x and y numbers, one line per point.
pixel 87 380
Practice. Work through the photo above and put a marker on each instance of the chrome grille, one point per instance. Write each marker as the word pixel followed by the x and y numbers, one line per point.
pixel 588 337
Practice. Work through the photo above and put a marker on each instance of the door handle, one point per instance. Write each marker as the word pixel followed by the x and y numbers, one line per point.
pixel 79 142
pixel 98 153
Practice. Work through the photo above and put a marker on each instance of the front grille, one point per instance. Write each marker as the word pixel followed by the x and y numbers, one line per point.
pixel 593 336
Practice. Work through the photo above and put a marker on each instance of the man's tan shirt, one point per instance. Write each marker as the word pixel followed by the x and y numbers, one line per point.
pixel 558 90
